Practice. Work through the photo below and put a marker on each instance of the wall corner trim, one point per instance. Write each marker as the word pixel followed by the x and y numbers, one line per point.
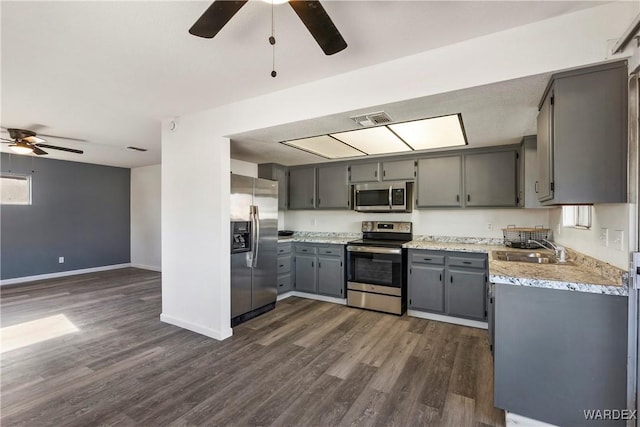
pixel 17 280
pixel 211 333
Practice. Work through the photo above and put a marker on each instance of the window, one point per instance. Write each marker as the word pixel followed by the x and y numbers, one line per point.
pixel 576 216
pixel 15 189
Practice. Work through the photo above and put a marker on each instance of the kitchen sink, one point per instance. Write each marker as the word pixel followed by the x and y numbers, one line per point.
pixel 533 257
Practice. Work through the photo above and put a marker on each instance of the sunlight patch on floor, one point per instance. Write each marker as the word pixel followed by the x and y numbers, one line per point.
pixel 35 331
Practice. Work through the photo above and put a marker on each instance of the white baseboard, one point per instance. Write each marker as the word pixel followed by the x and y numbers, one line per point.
pixel 284 296
pixel 147 267
pixel 62 274
pixel 515 420
pixel 203 330
pixel 334 300
pixel 448 319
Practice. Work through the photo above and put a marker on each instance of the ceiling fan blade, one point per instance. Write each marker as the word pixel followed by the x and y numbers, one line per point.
pixel 53 147
pixel 38 151
pixel 215 17
pixel 20 133
pixel 321 27
pixel 7 141
pixel 68 138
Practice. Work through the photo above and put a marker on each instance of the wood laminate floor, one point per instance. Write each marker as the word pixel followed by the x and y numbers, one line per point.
pixel 306 363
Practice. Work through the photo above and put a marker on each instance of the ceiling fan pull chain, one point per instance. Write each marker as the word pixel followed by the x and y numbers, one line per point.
pixel 272 41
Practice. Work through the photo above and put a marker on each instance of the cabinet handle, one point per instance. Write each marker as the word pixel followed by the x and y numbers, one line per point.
pixel 468 197
pixel 536 186
pixel 319 264
pixel 441 277
pixel 375 174
pixel 457 197
pixel 427 259
pixel 451 278
pixel 311 201
pixel 466 262
pixel 281 265
pixel 318 201
pixel 327 252
pixel 384 173
pixel 311 263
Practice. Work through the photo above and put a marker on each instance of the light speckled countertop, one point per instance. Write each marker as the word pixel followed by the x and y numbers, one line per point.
pixel 582 274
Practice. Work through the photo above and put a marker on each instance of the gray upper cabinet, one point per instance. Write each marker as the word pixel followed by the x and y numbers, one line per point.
pixel 277 173
pixel 302 188
pixel 439 182
pixel 582 137
pixel 528 173
pixel 399 170
pixel 333 187
pixel 491 179
pixel 364 172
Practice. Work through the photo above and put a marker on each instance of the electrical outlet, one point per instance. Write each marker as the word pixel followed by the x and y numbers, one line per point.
pixel 60 260
pixel 489 226
pixel 618 240
pixel 604 237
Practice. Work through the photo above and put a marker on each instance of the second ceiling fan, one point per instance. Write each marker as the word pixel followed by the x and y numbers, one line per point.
pixel 311 13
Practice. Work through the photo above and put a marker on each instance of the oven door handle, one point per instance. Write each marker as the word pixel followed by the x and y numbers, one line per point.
pixel 374 250
pixel 391 197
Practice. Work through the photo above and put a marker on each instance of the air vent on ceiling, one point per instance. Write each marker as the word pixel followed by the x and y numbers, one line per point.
pixel 137 148
pixel 372 119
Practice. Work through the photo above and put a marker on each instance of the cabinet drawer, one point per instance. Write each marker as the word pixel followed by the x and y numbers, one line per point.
pixel 284 248
pixel 427 258
pixel 471 262
pixel 305 249
pixel 331 250
pixel 284 264
pixel 284 283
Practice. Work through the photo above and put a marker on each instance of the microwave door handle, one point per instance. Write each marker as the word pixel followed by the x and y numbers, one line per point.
pixel 256 220
pixel 390 197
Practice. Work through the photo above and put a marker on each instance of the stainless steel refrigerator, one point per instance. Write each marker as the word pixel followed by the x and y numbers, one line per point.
pixel 254 240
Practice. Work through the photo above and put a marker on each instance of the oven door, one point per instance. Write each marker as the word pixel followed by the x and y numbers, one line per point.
pixel 373 265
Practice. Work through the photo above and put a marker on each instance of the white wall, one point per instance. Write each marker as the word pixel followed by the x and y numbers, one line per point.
pixel 145 217
pixel 432 222
pixel 611 216
pixel 195 190
pixel 240 167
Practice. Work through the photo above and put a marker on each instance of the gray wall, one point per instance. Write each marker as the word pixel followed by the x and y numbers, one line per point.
pixel 79 211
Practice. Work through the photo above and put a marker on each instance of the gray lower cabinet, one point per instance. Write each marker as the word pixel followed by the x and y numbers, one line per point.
pixel 333 187
pixel 448 283
pixel 285 268
pixel 582 137
pixel 491 179
pixel 558 353
pixel 320 269
pixel 440 182
pixel 302 188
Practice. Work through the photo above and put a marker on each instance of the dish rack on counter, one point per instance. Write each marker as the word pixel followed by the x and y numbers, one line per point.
pixel 520 237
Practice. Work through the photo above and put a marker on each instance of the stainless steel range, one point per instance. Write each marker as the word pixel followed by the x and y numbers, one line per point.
pixel 377 267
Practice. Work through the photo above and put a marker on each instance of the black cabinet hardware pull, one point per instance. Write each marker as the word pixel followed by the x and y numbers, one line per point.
pixel 384 173
pixel 318 201
pixel 427 259
pixel 468 197
pixel 319 264
pixel 311 263
pixel 281 265
pixel 375 174
pixel 451 279
pixel 457 197
pixel 441 277
pixel 536 186
pixel 466 262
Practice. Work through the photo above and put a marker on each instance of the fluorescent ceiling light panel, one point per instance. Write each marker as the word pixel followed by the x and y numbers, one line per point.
pixel 378 140
pixel 438 132
pixel 324 146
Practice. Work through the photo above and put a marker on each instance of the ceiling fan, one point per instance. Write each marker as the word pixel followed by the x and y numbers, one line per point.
pixel 26 141
pixel 311 13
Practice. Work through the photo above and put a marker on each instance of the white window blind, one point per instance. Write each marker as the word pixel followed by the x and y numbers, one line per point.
pixel 576 216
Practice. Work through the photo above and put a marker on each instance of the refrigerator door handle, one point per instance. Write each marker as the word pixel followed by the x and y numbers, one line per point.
pixel 256 241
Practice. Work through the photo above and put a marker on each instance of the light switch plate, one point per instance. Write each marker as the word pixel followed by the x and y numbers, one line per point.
pixel 604 237
pixel 618 240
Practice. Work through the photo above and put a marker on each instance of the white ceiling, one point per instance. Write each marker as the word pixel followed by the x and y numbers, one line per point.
pixel 108 72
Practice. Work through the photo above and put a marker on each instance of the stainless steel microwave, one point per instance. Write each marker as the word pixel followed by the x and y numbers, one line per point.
pixel 392 196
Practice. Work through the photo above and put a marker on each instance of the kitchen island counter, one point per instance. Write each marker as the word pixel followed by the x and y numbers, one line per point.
pixel 583 274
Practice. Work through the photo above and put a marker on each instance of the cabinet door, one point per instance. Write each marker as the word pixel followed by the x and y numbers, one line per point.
pixel 284 283
pixel 302 188
pixel 283 195
pixel 466 295
pixel 399 170
pixel 330 276
pixel 426 288
pixel 333 187
pixel 306 273
pixel 490 179
pixel 440 182
pixel 366 172
pixel 545 149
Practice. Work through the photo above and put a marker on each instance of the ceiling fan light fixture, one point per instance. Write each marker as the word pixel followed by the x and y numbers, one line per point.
pixel 21 148
pixel 275 1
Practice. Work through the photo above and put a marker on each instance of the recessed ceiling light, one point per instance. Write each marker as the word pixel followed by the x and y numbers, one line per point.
pixel 325 146
pixel 437 132
pixel 378 140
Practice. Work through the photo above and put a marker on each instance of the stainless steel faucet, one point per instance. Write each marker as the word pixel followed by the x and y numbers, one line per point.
pixel 559 251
